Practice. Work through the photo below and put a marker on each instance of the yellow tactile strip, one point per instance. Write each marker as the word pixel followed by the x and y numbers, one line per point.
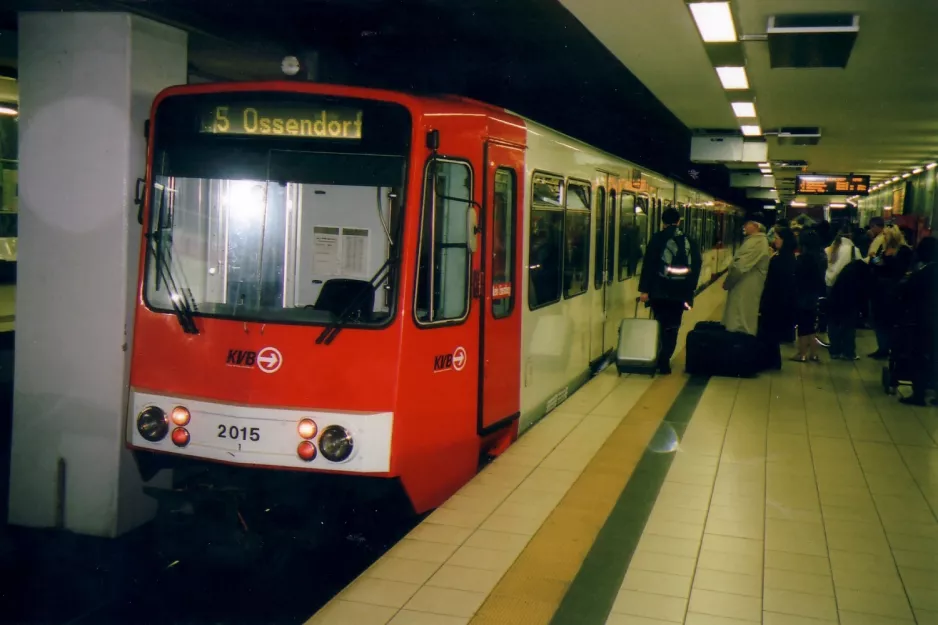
pixel 534 585
pixel 444 571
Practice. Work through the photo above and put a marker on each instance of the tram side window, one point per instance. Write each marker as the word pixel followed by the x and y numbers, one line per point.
pixel 611 237
pixel 545 257
pixel 599 263
pixel 503 252
pixel 630 237
pixel 444 260
pixel 576 266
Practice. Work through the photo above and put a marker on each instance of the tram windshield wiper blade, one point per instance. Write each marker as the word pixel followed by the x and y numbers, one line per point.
pixel 178 299
pixel 333 328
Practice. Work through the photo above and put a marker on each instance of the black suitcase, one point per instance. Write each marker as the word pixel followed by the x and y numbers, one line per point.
pixel 712 350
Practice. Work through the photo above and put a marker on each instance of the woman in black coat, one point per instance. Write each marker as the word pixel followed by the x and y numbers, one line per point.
pixel 809 289
pixel 777 309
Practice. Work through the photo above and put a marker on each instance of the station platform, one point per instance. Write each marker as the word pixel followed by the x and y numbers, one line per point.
pixel 801 497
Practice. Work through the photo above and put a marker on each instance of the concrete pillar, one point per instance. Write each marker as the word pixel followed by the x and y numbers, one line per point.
pixel 87 81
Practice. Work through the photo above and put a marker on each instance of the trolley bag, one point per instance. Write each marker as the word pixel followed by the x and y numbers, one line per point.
pixel 637 351
pixel 714 351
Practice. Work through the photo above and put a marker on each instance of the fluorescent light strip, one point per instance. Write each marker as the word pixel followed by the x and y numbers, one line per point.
pixel 733 77
pixel 917 170
pixel 751 130
pixel 6 110
pixel 765 164
pixel 765 170
pixel 798 204
pixel 837 205
pixel 744 109
pixel 906 175
pixel 714 21
pixel 931 165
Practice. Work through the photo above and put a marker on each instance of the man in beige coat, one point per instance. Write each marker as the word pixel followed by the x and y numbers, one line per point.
pixel 746 279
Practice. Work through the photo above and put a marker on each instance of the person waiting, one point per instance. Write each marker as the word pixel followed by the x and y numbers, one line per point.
pixel 844 293
pixel 918 298
pixel 745 281
pixel 889 266
pixel 777 309
pixel 668 281
pixel 810 268
pixel 875 234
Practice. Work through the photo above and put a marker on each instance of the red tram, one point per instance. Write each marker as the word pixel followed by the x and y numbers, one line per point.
pixel 345 281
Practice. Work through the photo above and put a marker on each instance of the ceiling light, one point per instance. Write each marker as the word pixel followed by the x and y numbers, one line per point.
pixel 837 205
pixel 931 165
pixel 8 110
pixel 714 21
pixel 906 175
pixel 917 170
pixel 733 77
pixel 744 109
pixel 766 170
pixel 895 179
pixel 765 164
pixel 751 131
pixel 799 204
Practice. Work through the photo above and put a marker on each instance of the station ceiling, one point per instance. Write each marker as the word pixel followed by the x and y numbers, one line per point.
pixel 878 116
pixel 530 56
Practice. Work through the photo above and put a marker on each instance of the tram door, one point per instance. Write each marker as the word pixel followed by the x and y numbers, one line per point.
pixel 597 293
pixel 500 344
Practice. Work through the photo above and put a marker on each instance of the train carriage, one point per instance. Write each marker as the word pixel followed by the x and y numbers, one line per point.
pixel 361 285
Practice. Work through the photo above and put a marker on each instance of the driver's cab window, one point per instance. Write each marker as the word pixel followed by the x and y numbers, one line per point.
pixel 442 292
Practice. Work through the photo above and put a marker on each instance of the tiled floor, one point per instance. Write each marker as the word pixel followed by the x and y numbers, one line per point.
pixel 443 571
pixel 802 497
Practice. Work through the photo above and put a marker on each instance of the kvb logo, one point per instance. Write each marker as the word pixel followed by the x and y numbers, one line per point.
pixel 450 362
pixel 268 359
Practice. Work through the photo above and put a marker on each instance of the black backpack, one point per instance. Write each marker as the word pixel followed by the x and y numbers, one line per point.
pixel 675 259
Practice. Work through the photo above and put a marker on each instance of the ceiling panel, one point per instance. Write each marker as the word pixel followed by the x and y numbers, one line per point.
pixel 878 116
pixel 658 42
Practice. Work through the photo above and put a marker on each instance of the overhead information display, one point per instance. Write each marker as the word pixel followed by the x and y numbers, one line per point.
pixel 270 119
pixel 829 184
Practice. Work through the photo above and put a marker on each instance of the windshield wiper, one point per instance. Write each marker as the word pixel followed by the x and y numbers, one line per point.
pixel 178 298
pixel 333 328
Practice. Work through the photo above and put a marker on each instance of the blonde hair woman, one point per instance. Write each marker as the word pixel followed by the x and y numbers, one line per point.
pixel 889 266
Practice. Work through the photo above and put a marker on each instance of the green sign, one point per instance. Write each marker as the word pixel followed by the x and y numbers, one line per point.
pixel 278 121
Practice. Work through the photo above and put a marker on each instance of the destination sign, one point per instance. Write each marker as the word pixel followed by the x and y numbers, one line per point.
pixel 824 184
pixel 266 120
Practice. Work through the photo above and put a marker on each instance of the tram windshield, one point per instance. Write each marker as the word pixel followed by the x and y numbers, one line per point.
pixel 276 207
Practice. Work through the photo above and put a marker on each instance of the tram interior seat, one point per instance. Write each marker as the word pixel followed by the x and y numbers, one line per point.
pixel 338 294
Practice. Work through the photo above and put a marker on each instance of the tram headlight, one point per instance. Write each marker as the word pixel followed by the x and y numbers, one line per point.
pixel 180 416
pixel 307 428
pixel 152 424
pixel 335 443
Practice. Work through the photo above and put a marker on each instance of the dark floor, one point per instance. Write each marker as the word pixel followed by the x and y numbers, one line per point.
pixel 54 577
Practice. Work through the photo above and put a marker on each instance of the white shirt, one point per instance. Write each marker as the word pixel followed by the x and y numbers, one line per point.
pixel 875 246
pixel 845 253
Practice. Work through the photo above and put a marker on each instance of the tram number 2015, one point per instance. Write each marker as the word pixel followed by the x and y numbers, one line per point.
pixel 239 434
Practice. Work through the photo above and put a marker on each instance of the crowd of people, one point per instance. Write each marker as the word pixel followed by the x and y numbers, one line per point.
pixel 785 284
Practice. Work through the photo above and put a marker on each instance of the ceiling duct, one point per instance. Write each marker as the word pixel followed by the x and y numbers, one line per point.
pixel 811 40
pixel 796 136
pixel 799 165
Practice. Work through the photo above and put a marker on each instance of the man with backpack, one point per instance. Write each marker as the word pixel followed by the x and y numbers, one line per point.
pixel 668 281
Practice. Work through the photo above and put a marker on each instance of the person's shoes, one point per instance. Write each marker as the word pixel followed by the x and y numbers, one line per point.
pixel 912 401
pixel 879 355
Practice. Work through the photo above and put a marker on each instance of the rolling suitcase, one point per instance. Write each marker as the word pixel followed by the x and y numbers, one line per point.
pixel 712 350
pixel 637 350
